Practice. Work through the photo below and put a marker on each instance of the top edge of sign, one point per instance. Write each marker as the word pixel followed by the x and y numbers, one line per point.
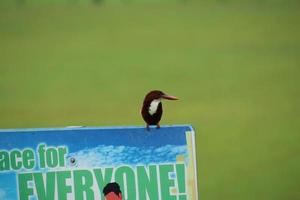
pixel 188 126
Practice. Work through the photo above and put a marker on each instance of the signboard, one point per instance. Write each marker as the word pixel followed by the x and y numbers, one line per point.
pixel 98 163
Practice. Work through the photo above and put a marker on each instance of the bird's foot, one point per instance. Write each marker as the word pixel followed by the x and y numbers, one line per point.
pixel 147 127
pixel 157 126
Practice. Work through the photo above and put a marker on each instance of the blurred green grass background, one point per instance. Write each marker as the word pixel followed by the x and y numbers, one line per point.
pixel 235 67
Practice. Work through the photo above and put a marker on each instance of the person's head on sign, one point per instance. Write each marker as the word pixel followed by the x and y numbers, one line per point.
pixel 112 191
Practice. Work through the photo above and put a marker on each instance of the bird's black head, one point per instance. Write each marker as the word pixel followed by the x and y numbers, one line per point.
pixel 157 94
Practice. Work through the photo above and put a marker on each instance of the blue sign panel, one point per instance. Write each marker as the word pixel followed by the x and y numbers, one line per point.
pixel 97 163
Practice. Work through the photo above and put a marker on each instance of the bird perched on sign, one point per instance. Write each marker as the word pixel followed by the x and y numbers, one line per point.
pixel 152 107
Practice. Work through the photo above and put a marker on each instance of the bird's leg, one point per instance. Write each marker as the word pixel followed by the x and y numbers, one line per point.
pixel 157 126
pixel 148 127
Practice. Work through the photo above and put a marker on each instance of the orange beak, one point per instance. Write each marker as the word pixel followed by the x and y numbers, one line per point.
pixel 169 97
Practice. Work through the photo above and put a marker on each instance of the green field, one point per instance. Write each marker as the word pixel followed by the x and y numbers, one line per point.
pixel 235 67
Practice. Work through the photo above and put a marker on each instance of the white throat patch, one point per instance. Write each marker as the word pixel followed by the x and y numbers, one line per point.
pixel 153 106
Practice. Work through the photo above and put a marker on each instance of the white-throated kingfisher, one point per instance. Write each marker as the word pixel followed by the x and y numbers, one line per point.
pixel 152 107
